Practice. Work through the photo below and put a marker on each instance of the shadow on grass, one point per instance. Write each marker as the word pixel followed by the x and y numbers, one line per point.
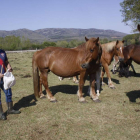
pixel 133 95
pixel 131 74
pixel 69 89
pixel 105 80
pixel 25 102
pixel 66 89
pixel 134 75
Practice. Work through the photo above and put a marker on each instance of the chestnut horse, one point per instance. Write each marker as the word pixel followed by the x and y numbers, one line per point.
pixel 65 62
pixel 108 51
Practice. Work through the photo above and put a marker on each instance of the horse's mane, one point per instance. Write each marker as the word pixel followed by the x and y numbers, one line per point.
pixel 108 46
pixel 80 47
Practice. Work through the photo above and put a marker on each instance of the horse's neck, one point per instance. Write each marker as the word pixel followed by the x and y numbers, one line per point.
pixel 108 56
pixel 80 47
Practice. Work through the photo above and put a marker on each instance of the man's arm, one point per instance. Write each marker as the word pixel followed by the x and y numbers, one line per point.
pixel 1 75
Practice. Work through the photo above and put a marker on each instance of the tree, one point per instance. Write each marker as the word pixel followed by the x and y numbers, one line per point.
pixel 63 44
pixel 105 40
pixel 131 13
pixel 131 39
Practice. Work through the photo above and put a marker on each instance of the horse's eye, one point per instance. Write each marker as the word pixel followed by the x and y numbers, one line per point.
pixel 91 50
pixel 117 49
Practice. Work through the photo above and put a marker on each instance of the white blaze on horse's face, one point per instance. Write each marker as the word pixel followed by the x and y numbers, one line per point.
pixel 121 49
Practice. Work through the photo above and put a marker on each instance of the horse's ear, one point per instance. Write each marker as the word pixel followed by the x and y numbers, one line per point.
pixel 86 38
pixel 138 27
pixel 97 40
pixel 122 41
pixel 117 42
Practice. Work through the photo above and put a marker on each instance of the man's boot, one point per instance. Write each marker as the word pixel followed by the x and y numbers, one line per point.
pixel 2 116
pixel 11 110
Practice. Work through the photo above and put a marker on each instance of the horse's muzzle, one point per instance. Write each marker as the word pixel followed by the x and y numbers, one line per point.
pixel 121 59
pixel 85 66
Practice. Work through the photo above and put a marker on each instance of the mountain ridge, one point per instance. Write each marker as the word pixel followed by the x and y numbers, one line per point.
pixel 57 34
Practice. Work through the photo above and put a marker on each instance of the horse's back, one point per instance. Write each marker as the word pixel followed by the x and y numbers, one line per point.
pixel 134 52
pixel 64 62
pixel 60 61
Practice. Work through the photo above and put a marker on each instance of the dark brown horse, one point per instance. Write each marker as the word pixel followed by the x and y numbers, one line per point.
pixel 108 51
pixel 122 68
pixel 83 60
pixel 132 52
pixel 138 27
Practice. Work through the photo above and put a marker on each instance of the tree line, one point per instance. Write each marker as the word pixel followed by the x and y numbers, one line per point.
pixel 132 39
pixel 11 43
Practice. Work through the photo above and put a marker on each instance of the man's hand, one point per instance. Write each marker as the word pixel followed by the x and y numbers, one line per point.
pixel 1 75
pixel 9 67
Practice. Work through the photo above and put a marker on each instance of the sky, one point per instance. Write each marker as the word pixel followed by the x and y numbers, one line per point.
pixel 84 14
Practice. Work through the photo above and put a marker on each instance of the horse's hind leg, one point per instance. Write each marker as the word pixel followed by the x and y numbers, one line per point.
pixel 41 95
pixel 45 83
pixel 75 79
pixel 80 88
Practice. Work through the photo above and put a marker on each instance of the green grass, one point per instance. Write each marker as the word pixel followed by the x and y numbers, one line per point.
pixel 115 118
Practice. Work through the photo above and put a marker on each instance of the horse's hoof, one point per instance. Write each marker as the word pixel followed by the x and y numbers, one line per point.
pixel 42 97
pixel 83 101
pixel 98 95
pixel 76 82
pixel 97 101
pixel 112 87
pixel 53 101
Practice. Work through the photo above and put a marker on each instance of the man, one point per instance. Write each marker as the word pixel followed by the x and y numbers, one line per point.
pixel 8 93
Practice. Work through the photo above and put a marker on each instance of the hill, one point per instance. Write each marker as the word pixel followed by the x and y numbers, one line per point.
pixel 55 34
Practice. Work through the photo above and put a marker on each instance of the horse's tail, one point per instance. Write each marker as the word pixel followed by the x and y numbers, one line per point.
pixel 36 79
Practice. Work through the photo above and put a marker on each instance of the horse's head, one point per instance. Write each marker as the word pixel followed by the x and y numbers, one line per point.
pixel 119 50
pixel 138 27
pixel 92 51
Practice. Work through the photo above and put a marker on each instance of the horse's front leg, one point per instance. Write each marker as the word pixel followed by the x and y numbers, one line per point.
pixel 93 95
pixel 133 69
pixel 110 84
pixel 45 84
pixel 80 88
pixel 102 76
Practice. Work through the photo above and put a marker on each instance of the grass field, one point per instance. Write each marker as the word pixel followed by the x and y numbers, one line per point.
pixel 115 118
